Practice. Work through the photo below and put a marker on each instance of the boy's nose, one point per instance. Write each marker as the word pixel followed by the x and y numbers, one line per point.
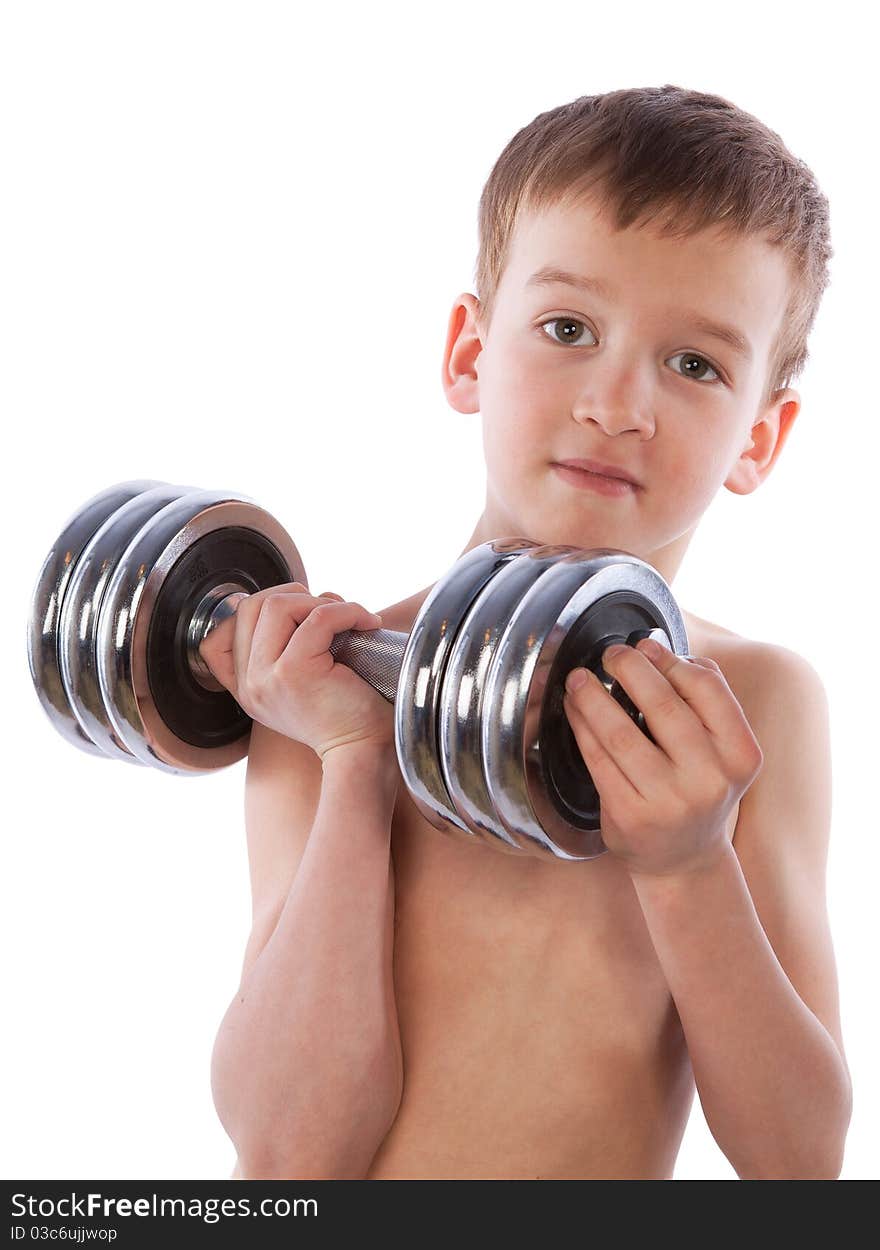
pixel 614 397
pixel 616 421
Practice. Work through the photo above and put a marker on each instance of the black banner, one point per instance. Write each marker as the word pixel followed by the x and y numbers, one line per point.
pixel 150 1213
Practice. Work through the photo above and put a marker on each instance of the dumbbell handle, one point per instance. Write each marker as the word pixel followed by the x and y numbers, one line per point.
pixel 374 654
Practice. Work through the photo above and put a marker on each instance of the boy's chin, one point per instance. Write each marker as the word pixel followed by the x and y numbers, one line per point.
pixel 581 535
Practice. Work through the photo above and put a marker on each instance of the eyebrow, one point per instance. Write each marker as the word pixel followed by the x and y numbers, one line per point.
pixel 549 275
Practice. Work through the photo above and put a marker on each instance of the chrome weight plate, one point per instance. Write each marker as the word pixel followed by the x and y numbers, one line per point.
pixel 535 774
pixel 416 709
pixel 159 711
pixel 461 702
pixel 80 612
pixel 47 600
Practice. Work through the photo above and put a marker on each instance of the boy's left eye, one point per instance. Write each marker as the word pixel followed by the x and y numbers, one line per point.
pixel 692 357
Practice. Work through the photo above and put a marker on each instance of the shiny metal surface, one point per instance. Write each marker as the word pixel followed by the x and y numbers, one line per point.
pixel 462 702
pixel 47 600
pixel 480 734
pixel 416 727
pixel 125 616
pixel 374 654
pixel 80 612
pixel 519 687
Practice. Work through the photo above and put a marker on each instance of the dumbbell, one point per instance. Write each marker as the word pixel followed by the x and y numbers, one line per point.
pixel 143 571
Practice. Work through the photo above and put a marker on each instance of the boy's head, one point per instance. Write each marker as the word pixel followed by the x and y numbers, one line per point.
pixel 683 210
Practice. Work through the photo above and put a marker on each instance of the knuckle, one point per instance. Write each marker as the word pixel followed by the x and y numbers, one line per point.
pixel 675 811
pixel 248 610
pixel 718 792
pixel 277 599
pixel 752 760
pixel 702 673
pixel 255 684
pixel 246 696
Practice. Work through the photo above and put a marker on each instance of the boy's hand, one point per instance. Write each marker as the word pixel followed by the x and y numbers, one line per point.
pixel 664 807
pixel 274 657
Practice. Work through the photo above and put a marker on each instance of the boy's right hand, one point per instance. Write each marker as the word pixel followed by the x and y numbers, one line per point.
pixel 273 656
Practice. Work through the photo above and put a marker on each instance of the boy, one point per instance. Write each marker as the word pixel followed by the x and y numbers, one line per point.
pixel 414 1005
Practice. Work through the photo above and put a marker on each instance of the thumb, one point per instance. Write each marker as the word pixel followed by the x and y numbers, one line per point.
pixel 216 653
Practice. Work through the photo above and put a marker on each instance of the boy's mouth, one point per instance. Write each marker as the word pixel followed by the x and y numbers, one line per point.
pixel 589 475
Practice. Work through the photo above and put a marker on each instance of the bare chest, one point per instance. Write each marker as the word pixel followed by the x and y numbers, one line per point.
pixel 538 1033
pixel 468 915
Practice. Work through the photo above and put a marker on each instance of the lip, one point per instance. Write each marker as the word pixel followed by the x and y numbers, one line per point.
pixel 586 479
pixel 596 466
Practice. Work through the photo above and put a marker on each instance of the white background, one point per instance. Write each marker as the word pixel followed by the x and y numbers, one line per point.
pixel 231 237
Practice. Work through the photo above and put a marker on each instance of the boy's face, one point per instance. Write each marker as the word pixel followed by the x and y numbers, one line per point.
pixel 626 377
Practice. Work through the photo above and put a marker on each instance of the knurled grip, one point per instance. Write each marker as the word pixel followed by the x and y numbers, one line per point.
pixel 374 654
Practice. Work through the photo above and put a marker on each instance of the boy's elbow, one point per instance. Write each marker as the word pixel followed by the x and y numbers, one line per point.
pixel 821 1166
pixel 305 1165
pixel 819 1159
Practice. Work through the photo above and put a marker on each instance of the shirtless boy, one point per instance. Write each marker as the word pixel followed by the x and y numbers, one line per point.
pixel 415 1004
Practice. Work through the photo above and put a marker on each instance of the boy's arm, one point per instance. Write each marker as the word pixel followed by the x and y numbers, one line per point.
pixel 307 1069
pixel 746 948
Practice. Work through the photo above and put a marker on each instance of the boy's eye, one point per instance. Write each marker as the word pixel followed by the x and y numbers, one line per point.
pixel 695 366
pixel 567 323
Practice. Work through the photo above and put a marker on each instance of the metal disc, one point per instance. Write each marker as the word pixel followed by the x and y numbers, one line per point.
pixel 461 703
pixel 80 613
pixel 47 600
pixel 416 729
pixel 535 774
pixel 158 709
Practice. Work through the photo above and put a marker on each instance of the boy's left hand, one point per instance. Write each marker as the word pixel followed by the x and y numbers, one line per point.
pixel 664 807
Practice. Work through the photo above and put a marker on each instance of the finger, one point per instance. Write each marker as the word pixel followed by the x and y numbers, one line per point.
pixel 315 634
pixel 226 647
pixel 247 616
pixel 642 764
pixel 267 626
pixel 280 617
pixel 702 685
pixel 603 769
pixel 219 659
pixel 673 724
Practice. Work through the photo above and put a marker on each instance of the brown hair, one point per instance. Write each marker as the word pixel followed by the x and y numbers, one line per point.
pixel 681 160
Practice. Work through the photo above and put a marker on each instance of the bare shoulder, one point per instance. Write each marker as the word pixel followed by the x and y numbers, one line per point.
pixel 784 700
pixel 764 676
pixel 785 703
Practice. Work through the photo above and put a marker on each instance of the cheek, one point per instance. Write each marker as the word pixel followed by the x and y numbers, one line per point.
pixel 510 443
pixel 697 472
pixel 522 408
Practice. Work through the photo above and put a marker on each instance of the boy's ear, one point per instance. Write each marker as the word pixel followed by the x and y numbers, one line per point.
pixel 766 439
pixel 463 346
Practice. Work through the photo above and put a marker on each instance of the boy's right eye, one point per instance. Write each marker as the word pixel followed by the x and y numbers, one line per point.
pixel 567 323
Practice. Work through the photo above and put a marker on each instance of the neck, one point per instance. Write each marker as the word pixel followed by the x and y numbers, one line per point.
pixel 494 523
